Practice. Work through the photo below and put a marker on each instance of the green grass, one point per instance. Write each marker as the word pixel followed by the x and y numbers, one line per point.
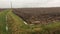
pixel 3 21
pixel 16 25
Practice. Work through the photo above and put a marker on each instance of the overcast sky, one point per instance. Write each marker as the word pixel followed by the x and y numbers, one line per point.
pixel 29 3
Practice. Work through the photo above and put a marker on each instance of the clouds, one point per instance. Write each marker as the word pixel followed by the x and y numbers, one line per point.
pixel 54 3
pixel 36 3
pixel 4 4
pixel 29 3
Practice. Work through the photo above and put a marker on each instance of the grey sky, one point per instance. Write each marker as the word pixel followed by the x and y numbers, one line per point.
pixel 29 3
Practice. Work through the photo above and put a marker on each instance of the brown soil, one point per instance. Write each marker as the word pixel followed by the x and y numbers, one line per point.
pixel 38 15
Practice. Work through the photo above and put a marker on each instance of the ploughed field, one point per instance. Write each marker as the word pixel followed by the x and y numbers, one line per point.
pixel 38 15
